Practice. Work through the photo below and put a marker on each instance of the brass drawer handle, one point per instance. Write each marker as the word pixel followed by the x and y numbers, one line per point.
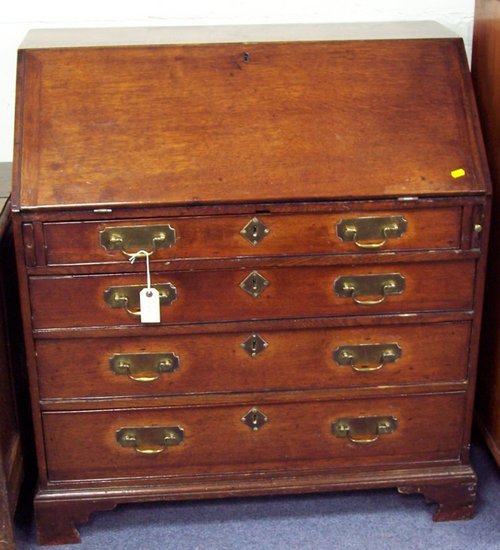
pixel 363 231
pixel 136 312
pixel 143 367
pixel 374 356
pixel 369 285
pixel 379 244
pixel 127 297
pixel 129 239
pixel 386 287
pixel 150 440
pixel 364 430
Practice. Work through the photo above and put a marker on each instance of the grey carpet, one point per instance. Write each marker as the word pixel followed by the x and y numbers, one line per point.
pixel 381 519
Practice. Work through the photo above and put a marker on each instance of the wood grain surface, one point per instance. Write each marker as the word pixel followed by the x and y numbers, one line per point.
pixel 244 123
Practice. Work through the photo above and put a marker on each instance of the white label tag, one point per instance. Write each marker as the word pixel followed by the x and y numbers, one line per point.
pixel 150 305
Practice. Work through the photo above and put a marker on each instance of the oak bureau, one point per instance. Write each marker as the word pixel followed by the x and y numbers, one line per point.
pixel 251 262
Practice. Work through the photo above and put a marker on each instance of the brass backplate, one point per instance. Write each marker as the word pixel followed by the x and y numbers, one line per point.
pixel 254 419
pixel 150 439
pixel 366 354
pixel 254 345
pixel 254 231
pixel 131 239
pixel 365 428
pixel 143 366
pixel 254 284
pixel 372 228
pixel 369 285
pixel 128 296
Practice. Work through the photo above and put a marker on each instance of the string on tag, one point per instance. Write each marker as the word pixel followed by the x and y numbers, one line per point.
pixel 140 254
pixel 149 297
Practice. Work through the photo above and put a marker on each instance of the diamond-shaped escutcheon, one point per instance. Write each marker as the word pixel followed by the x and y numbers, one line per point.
pixel 254 284
pixel 254 344
pixel 254 419
pixel 254 231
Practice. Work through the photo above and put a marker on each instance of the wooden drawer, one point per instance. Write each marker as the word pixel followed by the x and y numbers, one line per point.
pixel 274 234
pixel 296 359
pixel 206 296
pixel 83 445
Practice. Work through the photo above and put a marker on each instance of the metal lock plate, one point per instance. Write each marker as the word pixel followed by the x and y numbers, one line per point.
pixel 128 297
pixel 353 286
pixel 150 440
pixel 371 232
pixel 143 367
pixel 254 231
pixel 254 345
pixel 254 284
pixel 367 357
pixel 130 239
pixel 254 419
pixel 364 430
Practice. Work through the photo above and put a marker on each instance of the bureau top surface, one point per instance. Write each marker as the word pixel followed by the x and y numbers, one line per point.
pixel 242 114
pixel 145 36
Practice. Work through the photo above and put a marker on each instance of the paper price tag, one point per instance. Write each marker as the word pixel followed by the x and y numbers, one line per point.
pixel 150 305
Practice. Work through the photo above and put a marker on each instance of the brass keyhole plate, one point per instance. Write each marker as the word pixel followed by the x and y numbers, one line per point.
pixel 255 231
pixel 254 345
pixel 254 284
pixel 254 419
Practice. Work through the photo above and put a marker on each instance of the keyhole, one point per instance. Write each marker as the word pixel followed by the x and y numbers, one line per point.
pixel 255 232
pixel 254 347
pixel 255 420
pixel 254 282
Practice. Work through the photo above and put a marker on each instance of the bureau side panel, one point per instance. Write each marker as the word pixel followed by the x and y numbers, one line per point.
pixel 486 75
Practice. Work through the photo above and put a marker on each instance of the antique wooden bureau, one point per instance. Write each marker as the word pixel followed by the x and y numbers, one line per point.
pixel 312 211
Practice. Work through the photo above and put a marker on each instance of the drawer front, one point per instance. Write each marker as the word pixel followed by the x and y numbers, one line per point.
pixel 83 445
pixel 253 361
pixel 259 235
pixel 214 296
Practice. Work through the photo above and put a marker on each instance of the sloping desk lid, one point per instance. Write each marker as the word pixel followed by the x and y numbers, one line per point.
pixel 242 114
